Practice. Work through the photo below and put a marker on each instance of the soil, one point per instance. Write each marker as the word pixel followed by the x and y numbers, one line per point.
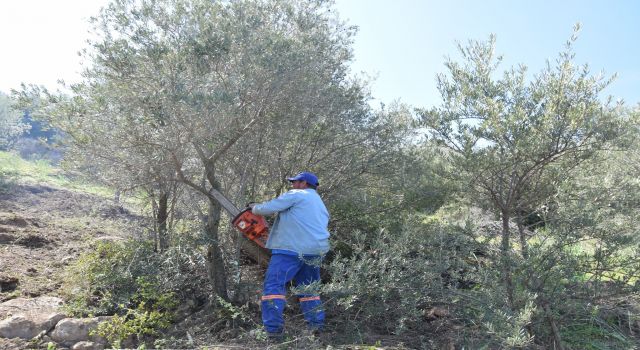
pixel 44 229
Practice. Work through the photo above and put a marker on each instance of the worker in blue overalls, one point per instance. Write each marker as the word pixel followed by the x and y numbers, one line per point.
pixel 298 240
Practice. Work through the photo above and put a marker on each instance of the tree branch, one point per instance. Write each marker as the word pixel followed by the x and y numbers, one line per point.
pixel 215 156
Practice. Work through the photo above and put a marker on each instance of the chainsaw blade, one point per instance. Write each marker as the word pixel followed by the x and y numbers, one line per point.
pixel 224 202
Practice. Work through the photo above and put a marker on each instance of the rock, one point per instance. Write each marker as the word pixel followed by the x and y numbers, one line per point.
pixel 15 344
pixel 30 306
pixel 29 317
pixel 46 339
pixel 40 336
pixel 49 321
pixel 28 326
pixel 18 327
pixel 87 345
pixel 70 331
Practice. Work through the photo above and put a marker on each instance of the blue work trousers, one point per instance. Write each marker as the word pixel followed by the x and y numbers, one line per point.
pixel 283 268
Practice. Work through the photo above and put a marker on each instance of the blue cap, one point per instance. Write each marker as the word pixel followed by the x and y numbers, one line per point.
pixel 310 178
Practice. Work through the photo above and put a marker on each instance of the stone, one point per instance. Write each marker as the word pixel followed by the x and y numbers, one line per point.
pixel 29 306
pixel 28 326
pixel 70 331
pixel 87 345
pixel 49 321
pixel 46 339
pixel 26 318
pixel 18 327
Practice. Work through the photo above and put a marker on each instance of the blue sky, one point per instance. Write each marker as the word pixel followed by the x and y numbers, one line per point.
pixel 401 42
pixel 405 42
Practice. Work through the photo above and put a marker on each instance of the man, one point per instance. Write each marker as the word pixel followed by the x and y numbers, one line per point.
pixel 298 240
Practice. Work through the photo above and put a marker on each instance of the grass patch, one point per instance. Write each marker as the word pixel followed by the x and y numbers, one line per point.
pixel 17 171
pixel 595 335
pixel 90 223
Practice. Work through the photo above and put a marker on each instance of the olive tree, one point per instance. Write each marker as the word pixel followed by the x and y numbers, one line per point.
pixel 513 139
pixel 196 91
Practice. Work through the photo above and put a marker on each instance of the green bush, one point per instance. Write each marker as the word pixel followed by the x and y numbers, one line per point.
pixel 392 279
pixel 106 280
pixel 152 313
pixel 123 279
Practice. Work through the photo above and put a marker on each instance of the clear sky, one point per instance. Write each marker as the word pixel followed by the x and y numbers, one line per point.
pixel 401 43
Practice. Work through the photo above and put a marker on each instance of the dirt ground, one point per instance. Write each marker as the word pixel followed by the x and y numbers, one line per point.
pixel 43 229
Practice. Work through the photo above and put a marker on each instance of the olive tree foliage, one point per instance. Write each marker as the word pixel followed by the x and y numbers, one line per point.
pixel 598 211
pixel 217 94
pixel 513 140
pixel 358 163
pixel 11 125
pixel 585 261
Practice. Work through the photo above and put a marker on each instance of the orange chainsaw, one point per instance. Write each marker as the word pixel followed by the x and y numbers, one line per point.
pixel 253 226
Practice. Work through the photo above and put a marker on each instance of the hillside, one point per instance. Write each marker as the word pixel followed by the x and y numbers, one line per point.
pixel 45 226
pixel 46 223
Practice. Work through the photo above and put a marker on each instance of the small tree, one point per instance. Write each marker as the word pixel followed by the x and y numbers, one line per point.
pixel 512 140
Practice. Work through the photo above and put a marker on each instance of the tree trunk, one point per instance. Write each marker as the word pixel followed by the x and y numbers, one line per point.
pixel 216 270
pixel 154 232
pixel 524 248
pixel 505 249
pixel 254 251
pixel 552 323
pixel 161 218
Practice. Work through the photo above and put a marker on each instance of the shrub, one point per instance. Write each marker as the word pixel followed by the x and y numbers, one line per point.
pixel 123 279
pixel 152 313
pixel 394 282
pixel 399 277
pixel 105 280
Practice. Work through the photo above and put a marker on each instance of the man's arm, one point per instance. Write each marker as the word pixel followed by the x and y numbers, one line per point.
pixel 277 205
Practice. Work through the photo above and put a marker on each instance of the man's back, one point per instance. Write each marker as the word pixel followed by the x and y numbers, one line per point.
pixel 301 225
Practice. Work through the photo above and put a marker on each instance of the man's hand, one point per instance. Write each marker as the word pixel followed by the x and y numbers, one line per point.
pixel 251 204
